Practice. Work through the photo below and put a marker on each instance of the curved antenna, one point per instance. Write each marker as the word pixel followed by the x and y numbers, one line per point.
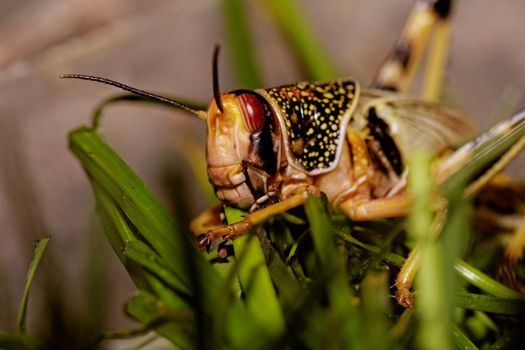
pixel 200 114
pixel 216 90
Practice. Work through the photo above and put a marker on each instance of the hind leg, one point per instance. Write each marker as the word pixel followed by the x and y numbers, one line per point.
pixel 398 70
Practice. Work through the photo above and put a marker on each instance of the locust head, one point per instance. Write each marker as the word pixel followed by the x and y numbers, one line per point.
pixel 242 144
pixel 242 147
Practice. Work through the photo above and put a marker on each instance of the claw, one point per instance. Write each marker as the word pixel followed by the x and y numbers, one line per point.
pixel 225 232
pixel 203 241
pixel 405 298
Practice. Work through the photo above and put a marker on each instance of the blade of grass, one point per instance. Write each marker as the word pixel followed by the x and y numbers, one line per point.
pixel 375 307
pixel 344 315
pixel 18 341
pixel 96 282
pixel 148 259
pixel 294 25
pixel 147 214
pixel 115 223
pixel 453 241
pixel 431 283
pixel 150 221
pixel 117 230
pixel 489 303
pixel 287 285
pixel 240 330
pixel 461 341
pixel 388 257
pixel 175 325
pixel 261 298
pixel 240 44
pixel 484 282
pixel 40 248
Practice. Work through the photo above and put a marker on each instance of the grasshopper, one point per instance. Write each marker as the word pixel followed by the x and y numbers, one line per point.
pixel 268 149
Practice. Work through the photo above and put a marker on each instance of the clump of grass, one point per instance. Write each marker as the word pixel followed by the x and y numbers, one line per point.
pixel 313 282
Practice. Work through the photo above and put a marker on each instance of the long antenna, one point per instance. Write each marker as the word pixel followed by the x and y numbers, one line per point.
pixel 216 90
pixel 200 114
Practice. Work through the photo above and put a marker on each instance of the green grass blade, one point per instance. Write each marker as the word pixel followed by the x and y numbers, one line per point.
pixel 40 248
pixel 484 282
pixel 146 214
pixel 489 303
pixel 144 256
pixel 240 44
pixel 294 25
pixel 461 341
pixel 390 258
pixel 18 341
pixel 434 309
pixel 175 325
pixel 287 285
pixel 119 230
pixel 260 295
pixel 375 308
pixel 343 315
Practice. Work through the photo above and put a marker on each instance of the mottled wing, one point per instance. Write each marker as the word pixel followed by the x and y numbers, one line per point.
pixel 418 125
pixel 314 117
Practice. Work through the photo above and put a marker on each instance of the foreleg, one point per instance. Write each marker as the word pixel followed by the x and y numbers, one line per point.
pixel 242 227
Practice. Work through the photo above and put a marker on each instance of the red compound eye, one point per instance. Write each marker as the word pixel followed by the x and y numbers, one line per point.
pixel 252 111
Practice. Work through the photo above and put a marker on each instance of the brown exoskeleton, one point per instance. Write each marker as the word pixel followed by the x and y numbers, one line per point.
pixel 268 149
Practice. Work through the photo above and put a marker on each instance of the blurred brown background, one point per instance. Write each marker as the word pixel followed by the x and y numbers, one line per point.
pixel 165 46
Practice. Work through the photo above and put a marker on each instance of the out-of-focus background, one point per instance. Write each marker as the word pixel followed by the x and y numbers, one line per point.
pixel 166 46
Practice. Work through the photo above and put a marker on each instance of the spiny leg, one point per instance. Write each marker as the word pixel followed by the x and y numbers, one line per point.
pixel 252 219
pixel 397 72
pixel 405 277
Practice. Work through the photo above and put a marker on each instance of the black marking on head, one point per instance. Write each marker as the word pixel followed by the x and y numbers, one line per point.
pixel 443 8
pixel 313 119
pixel 380 131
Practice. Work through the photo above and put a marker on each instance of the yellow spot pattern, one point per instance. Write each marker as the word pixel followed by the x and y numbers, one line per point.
pixel 314 112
